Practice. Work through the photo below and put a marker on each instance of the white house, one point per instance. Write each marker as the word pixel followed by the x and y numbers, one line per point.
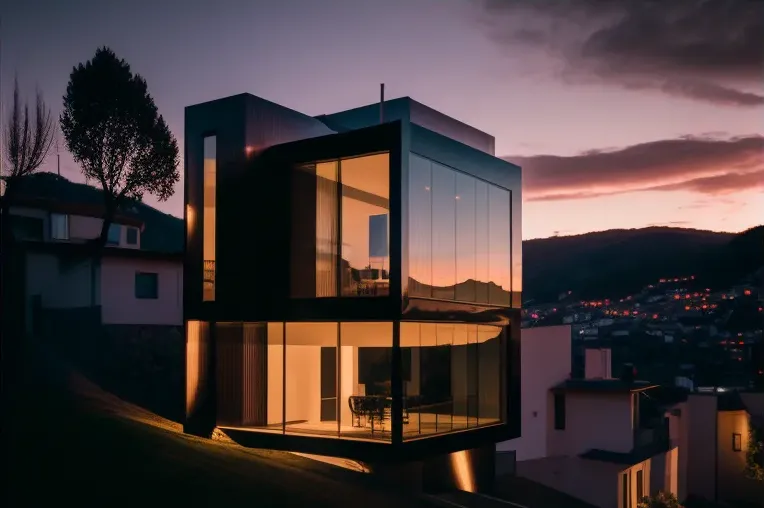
pixel 139 280
pixel 584 436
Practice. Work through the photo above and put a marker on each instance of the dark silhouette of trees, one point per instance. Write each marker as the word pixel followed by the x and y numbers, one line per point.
pixel 115 133
pixel 27 140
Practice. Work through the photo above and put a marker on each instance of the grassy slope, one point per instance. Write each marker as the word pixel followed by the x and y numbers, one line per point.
pixel 67 441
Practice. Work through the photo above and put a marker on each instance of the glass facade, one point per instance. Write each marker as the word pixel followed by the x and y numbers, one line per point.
pixel 453 376
pixel 459 236
pixel 208 218
pixel 340 230
pixel 324 379
pixel 333 379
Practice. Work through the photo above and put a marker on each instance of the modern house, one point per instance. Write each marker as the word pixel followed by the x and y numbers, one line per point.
pixel 352 281
pixel 139 279
pixel 713 432
pixel 585 436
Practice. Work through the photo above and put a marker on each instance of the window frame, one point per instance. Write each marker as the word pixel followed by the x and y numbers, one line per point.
pixel 114 227
pixel 155 293
pixel 737 442
pixel 128 231
pixel 53 229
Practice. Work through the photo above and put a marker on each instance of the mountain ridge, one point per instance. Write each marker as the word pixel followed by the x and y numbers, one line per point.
pixel 616 262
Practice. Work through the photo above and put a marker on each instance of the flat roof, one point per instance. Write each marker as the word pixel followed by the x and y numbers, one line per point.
pixel 603 386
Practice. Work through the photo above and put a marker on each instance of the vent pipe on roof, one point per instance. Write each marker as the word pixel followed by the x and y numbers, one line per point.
pixel 382 103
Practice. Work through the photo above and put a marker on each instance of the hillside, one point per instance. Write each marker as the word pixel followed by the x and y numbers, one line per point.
pixel 616 262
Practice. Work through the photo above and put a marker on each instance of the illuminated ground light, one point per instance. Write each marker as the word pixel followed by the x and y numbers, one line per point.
pixel 461 467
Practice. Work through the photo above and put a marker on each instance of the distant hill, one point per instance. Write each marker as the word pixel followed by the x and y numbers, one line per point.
pixel 617 262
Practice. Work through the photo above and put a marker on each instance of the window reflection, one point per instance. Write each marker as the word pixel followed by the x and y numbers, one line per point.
pixel 350 202
pixel 459 236
pixel 365 225
pixel 452 377
pixel 466 258
pixel 443 232
pixel 499 262
pixel 420 227
pixel 482 246
pixel 208 220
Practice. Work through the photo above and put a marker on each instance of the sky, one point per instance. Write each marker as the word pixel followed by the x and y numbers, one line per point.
pixel 622 114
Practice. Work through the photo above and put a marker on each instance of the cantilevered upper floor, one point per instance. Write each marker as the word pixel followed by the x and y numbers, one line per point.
pixel 291 217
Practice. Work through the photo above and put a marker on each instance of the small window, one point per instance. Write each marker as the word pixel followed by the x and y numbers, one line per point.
pixel 559 411
pixel 131 236
pixel 640 486
pixel 737 442
pixel 114 235
pixel 146 286
pixel 625 497
pixel 59 226
pixel 27 228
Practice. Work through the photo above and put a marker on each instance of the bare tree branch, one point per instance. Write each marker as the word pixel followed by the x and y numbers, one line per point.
pixel 27 140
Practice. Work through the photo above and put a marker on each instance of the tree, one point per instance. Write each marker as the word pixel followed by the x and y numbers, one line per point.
pixel 115 133
pixel 662 499
pixel 27 142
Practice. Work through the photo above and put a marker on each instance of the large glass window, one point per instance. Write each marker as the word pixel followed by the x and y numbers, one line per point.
pixel 420 227
pixel 466 247
pixel 346 249
pixel 208 224
pixel 499 262
pixel 459 236
pixel 364 377
pixel 443 232
pixel 365 225
pixel 452 377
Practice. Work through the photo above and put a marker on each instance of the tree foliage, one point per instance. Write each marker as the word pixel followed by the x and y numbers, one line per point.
pixel 754 455
pixel 28 138
pixel 662 499
pixel 115 133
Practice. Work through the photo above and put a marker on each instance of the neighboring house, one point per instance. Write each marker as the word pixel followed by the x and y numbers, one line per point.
pixel 139 280
pixel 712 433
pixel 343 283
pixel 585 437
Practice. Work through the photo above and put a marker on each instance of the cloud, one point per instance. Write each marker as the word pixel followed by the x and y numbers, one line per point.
pixel 705 165
pixel 706 50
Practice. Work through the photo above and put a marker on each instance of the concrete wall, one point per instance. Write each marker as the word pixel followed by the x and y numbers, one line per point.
pixel 546 360
pixel 593 420
pixel 119 304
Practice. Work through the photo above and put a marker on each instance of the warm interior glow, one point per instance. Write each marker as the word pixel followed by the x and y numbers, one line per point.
pixel 193 365
pixel 461 468
pixel 190 219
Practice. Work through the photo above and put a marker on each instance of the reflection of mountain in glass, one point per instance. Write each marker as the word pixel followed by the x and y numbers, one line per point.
pixel 471 291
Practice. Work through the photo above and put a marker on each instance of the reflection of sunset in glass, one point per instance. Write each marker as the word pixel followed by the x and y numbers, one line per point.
pixel 459 236
pixel 209 216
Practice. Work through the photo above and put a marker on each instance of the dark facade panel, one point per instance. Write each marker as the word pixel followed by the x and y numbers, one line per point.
pixel 445 125
pixel 408 110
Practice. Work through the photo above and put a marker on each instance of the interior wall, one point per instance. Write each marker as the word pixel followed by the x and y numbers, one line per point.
pixel 303 383
pixel 275 383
